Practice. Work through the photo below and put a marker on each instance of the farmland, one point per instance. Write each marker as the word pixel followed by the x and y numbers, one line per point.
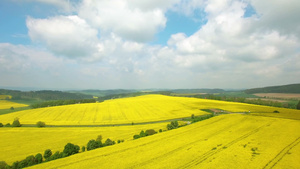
pixel 118 111
pixel 5 104
pixel 213 143
pixel 225 141
pixel 127 110
pixel 37 140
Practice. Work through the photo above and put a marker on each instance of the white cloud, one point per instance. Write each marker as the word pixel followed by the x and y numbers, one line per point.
pixel 70 36
pixel 128 22
pixel 229 50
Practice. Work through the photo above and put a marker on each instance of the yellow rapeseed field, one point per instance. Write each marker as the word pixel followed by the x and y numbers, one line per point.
pixel 136 109
pixel 127 110
pixel 3 97
pixel 18 143
pixel 5 104
pixel 225 141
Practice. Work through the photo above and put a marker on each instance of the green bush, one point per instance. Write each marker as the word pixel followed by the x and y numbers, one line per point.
pixel 47 153
pixel 275 111
pixel 160 130
pixel 7 125
pixel 39 158
pixel 71 149
pixel 143 134
pixel 109 142
pixel 172 125
pixel 16 123
pixel 83 148
pixel 150 132
pixel 41 124
pixel 93 144
pixel 136 136
pixel 1 125
pixel 2 164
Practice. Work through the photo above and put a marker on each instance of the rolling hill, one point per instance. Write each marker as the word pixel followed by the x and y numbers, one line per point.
pixel 291 88
pixel 225 141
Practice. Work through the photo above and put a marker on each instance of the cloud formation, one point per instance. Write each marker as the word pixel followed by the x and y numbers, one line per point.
pixel 108 44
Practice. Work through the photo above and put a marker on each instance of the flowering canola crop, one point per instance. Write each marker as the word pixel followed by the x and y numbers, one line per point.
pixel 225 141
pixel 18 143
pixel 4 104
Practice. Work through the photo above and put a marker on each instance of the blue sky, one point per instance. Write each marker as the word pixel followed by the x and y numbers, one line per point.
pixel 84 44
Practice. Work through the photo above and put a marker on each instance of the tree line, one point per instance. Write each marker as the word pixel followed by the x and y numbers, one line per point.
pixel 69 149
pixel 61 102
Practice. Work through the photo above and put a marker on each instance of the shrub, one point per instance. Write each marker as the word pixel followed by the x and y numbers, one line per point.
pixel 172 125
pixel 136 136
pixel 99 138
pixel 109 142
pixel 93 144
pixel 12 108
pixel 39 158
pixel 275 111
pixel 83 148
pixel 160 130
pixel 16 123
pixel 71 149
pixel 150 132
pixel 7 125
pixel 1 125
pixel 2 164
pixel 41 124
pixel 47 153
pixel 143 134
pixel 193 116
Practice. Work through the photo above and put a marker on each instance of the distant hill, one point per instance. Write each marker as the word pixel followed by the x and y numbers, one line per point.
pixel 197 91
pixel 101 93
pixel 43 95
pixel 291 88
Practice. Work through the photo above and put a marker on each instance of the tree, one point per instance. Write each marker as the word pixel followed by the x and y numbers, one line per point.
pixel 93 144
pixel 2 164
pixel 71 149
pixel 136 136
pixel 99 138
pixel 83 149
pixel 193 116
pixel 150 132
pixel 109 142
pixel 298 105
pixel 47 153
pixel 16 123
pixel 41 124
pixel 143 134
pixel 12 108
pixel 39 158
pixel 1 125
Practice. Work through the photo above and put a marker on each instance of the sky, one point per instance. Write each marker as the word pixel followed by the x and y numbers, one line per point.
pixel 134 44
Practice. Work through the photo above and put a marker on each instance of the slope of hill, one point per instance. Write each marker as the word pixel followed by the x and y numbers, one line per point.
pixel 37 140
pixel 148 108
pixel 291 88
pixel 43 95
pixel 225 141
pixel 5 104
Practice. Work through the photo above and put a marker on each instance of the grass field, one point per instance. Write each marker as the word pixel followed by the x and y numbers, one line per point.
pixel 5 104
pixel 18 143
pixel 225 141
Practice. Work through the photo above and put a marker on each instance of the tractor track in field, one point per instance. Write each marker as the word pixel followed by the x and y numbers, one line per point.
pixel 212 152
pixel 113 125
pixel 281 154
